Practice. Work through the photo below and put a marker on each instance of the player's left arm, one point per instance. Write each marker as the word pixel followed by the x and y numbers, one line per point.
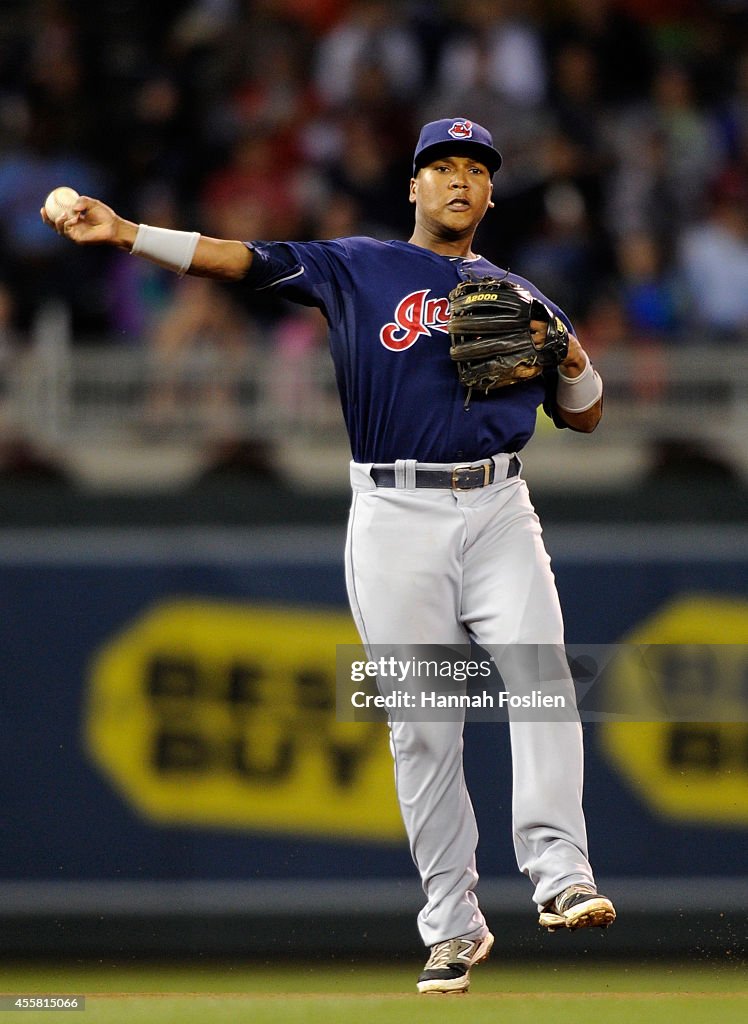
pixel 574 388
pixel 575 399
pixel 579 383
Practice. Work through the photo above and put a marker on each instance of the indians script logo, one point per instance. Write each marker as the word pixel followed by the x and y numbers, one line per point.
pixel 462 130
pixel 414 317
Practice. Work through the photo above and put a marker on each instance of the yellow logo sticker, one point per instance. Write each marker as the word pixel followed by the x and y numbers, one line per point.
pixel 223 715
pixel 684 765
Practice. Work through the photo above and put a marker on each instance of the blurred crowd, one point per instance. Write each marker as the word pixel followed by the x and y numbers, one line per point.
pixel 623 125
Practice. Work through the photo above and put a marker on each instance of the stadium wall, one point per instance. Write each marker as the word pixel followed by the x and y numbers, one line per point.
pixel 176 782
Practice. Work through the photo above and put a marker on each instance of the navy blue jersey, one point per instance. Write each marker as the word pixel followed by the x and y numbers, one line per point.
pixel 386 305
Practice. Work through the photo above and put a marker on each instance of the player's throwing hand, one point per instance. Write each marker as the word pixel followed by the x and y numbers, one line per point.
pixel 87 222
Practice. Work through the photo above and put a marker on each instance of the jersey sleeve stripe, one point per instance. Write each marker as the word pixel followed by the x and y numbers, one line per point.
pixel 280 280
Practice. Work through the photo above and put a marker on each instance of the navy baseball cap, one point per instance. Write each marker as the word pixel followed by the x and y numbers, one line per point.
pixel 457 135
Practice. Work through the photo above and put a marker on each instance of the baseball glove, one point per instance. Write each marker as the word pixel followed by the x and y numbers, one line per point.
pixel 491 340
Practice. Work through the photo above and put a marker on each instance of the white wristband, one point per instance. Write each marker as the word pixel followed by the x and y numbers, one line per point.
pixel 578 394
pixel 170 249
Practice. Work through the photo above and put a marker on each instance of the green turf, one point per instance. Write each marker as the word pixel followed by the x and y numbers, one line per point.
pixel 715 993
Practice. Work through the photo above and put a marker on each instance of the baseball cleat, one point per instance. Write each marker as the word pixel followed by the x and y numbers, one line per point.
pixel 448 967
pixel 579 906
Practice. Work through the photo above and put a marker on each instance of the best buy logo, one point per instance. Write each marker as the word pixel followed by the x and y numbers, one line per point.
pixel 692 764
pixel 216 714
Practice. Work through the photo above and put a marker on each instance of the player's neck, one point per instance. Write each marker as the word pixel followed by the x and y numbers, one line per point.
pixel 442 246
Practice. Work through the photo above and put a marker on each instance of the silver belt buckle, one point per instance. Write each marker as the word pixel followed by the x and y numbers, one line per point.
pixel 486 475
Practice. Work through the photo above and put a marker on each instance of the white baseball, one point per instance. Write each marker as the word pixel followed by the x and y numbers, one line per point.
pixel 59 201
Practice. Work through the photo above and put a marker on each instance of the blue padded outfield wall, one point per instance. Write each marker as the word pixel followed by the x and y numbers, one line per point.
pixel 168 712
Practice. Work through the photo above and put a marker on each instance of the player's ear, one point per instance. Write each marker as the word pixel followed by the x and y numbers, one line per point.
pixel 491 203
pixel 413 187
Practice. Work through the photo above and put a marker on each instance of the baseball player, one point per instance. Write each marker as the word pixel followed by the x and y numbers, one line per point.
pixel 443 543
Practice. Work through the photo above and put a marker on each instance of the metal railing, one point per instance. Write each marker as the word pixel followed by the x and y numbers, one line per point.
pixel 99 395
pixel 690 393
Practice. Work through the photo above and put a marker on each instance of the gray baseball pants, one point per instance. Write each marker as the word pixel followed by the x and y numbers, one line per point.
pixel 427 567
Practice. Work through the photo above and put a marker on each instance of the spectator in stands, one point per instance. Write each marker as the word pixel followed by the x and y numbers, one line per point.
pixel 155 145
pixel 713 256
pixel 488 43
pixel 666 152
pixel 651 300
pixel 373 34
pixel 267 89
pixel 624 48
pixel 138 292
pixel 561 255
pixel 200 349
pixel 579 117
pixel 367 174
pixel 692 144
pixel 37 267
pixel 255 192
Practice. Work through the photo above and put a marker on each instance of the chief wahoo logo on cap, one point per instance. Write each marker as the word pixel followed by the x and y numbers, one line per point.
pixel 461 130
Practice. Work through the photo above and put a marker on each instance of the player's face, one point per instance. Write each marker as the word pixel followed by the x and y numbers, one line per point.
pixel 451 195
